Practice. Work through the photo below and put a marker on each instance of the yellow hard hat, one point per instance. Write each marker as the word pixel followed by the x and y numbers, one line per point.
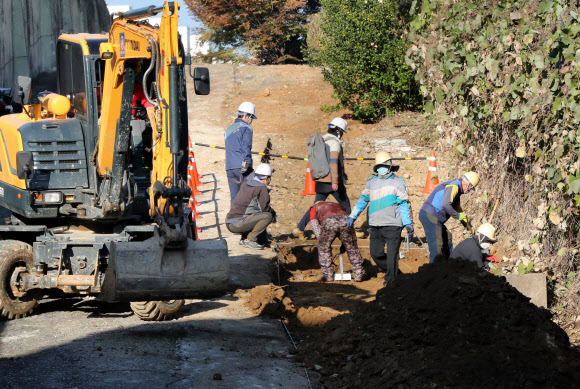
pixel 382 158
pixel 472 178
pixel 488 231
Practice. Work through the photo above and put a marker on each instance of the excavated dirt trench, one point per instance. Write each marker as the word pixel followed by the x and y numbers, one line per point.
pixel 446 325
pixel 296 295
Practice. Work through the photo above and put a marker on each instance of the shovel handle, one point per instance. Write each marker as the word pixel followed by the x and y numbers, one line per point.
pixel 494 208
pixel 469 227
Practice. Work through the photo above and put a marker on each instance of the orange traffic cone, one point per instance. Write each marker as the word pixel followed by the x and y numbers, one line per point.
pixel 192 206
pixel 308 184
pixel 431 182
pixel 191 181
pixel 192 162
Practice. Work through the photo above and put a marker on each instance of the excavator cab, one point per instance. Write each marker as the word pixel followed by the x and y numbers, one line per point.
pixel 97 187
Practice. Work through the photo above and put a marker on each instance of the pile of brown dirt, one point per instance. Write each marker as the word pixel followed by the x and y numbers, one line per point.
pixel 269 300
pixel 449 325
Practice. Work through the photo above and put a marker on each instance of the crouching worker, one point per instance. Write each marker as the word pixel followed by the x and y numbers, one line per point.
pixel 476 248
pixel 329 220
pixel 251 212
pixel 389 212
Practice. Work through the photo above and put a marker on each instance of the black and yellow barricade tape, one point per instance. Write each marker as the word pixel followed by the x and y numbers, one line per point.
pixel 306 159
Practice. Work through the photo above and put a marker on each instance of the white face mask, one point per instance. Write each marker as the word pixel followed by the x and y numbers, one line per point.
pixel 485 245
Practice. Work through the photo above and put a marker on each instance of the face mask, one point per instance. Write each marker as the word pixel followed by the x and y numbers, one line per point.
pixel 383 171
pixel 485 245
pixel 249 121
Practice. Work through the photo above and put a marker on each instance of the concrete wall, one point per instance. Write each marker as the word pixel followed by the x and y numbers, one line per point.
pixel 30 29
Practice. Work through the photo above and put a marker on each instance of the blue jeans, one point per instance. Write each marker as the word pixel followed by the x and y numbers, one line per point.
pixel 439 239
pixel 340 196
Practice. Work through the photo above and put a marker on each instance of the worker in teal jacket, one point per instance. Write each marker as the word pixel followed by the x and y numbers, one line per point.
pixel 443 203
pixel 389 211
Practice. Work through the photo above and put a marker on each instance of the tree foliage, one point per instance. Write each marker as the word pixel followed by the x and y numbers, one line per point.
pixel 361 46
pixel 504 78
pixel 272 30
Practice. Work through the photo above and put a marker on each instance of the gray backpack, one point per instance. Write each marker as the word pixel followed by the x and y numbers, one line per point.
pixel 319 167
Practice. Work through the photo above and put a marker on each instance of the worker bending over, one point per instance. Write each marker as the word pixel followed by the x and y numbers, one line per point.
pixel 444 202
pixel 329 220
pixel 251 212
pixel 388 212
pixel 476 248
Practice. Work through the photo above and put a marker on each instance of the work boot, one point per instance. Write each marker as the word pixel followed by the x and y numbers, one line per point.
pixel 322 278
pixel 297 233
pixel 253 245
pixel 361 278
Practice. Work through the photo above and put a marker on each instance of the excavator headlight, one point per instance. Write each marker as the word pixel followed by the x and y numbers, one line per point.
pixel 106 50
pixel 48 198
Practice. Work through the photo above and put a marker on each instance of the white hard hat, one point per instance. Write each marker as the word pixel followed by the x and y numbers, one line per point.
pixel 249 108
pixel 472 178
pixel 488 232
pixel 339 122
pixel 263 169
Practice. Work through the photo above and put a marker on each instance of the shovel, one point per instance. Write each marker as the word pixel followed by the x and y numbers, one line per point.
pixel 341 276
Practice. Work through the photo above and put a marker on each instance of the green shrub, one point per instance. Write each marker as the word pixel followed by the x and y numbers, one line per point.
pixel 361 46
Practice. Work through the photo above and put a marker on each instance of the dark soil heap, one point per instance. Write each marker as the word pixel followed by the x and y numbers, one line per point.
pixel 449 325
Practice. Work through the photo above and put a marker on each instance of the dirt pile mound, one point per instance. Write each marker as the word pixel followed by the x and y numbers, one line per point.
pixel 269 300
pixel 449 325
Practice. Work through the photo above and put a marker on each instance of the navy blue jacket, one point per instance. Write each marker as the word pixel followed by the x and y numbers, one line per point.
pixel 444 202
pixel 238 139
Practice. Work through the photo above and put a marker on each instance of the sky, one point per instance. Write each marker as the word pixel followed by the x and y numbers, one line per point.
pixel 184 18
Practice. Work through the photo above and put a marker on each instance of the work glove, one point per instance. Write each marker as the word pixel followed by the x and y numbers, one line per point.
pixel 350 222
pixel 462 217
pixel 410 229
pixel 244 168
pixel 492 258
pixel 342 249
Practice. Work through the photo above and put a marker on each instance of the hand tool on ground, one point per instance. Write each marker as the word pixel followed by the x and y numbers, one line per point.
pixel 342 276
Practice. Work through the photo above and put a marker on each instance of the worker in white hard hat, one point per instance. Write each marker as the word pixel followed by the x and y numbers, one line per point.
pixel 334 183
pixel 238 141
pixel 389 211
pixel 251 212
pixel 444 202
pixel 476 247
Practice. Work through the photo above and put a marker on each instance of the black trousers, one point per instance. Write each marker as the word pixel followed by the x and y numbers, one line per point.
pixel 389 262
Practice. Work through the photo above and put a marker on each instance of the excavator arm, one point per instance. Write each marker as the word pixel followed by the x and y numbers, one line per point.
pixel 130 42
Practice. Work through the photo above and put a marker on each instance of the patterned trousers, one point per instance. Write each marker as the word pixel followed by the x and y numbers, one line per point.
pixel 331 228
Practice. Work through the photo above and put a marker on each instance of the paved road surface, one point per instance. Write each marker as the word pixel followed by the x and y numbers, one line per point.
pixel 75 343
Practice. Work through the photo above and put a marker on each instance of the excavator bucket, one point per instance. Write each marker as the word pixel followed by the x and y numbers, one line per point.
pixel 143 271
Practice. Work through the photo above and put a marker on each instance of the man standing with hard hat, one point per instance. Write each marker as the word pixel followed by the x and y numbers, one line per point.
pixel 476 248
pixel 251 212
pixel 443 203
pixel 238 140
pixel 389 212
pixel 334 183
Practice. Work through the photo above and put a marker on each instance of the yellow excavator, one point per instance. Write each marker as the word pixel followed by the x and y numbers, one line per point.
pixel 94 176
